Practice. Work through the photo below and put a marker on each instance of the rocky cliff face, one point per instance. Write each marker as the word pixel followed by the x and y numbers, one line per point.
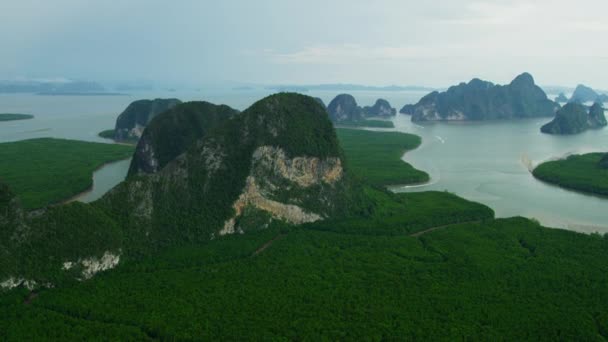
pixel 278 160
pixel 270 169
pixel 597 118
pixel 172 132
pixel 130 124
pixel 344 107
pixel 381 108
pixel 575 118
pixel 481 100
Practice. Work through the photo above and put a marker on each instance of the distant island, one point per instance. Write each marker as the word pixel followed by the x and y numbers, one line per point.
pixel 50 86
pixel 561 98
pixel 131 122
pixel 344 110
pixel 381 108
pixel 345 87
pixel 15 117
pixel 482 100
pixel 584 94
pixel 575 118
pixel 586 173
pixel 75 93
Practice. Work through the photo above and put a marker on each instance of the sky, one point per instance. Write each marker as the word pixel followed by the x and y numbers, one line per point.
pixel 382 42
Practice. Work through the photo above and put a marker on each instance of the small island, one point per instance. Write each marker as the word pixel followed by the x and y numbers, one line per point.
pixel 131 122
pixel 575 118
pixel 15 117
pixel 482 100
pixel 586 173
pixel 344 111
pixel 107 134
pixel 584 94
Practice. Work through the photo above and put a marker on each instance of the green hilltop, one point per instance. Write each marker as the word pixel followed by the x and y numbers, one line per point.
pixel 171 133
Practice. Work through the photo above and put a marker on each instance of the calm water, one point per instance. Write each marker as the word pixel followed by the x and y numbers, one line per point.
pixel 485 162
pixel 490 162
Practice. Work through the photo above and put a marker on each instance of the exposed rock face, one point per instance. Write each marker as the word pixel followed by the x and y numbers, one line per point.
pixel 561 98
pixel 481 100
pixel 172 132
pixel 380 108
pixel 13 282
pixel 130 124
pixel 90 266
pixel 574 118
pixel 344 107
pixel 597 118
pixel 278 160
pixel 584 94
pixel 271 168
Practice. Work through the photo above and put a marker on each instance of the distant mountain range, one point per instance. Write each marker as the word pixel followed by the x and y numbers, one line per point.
pixel 345 87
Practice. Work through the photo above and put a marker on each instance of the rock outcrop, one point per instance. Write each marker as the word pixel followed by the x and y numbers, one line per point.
pixel 597 118
pixel 585 94
pixel 408 109
pixel 344 107
pixel 271 168
pixel 278 160
pixel 481 100
pixel 381 108
pixel 172 132
pixel 130 124
pixel 575 118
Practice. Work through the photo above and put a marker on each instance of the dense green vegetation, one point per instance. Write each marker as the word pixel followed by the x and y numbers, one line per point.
pixel 172 132
pixel 604 161
pixel 578 172
pixel 500 280
pixel 107 134
pixel 13 117
pixel 376 156
pixel 64 233
pixel 46 171
pixel 368 123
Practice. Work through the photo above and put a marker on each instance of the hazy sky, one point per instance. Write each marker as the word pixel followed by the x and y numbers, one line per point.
pixel 380 42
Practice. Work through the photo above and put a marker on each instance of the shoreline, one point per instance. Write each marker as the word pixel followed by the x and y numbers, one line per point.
pixel 90 188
